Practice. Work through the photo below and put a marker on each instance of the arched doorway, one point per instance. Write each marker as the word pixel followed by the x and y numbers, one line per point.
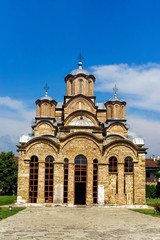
pixel 80 180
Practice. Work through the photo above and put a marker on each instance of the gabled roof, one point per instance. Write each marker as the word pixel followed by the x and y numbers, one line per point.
pixel 150 163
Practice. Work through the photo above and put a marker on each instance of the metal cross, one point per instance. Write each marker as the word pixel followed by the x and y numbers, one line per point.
pixel 46 87
pixel 80 56
pixel 115 89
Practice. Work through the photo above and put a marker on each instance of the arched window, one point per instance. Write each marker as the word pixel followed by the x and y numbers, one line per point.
pixel 110 112
pixel 128 164
pixel 113 165
pixel 71 84
pixel 33 181
pixel 89 88
pixel 95 181
pixel 80 168
pixel 45 109
pixel 116 109
pixel 65 195
pixel 49 174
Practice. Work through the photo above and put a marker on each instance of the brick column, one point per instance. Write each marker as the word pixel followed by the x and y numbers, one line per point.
pixel 106 184
pixel 71 183
pixel 89 186
pixel 58 182
pixel 102 182
pixel 41 181
pixel 121 195
pixel 23 180
pixel 139 180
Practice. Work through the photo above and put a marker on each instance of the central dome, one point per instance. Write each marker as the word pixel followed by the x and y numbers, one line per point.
pixel 81 123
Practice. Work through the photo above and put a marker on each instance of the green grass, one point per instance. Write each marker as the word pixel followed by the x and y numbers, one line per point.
pixel 4 212
pixel 152 201
pixel 147 212
pixel 5 200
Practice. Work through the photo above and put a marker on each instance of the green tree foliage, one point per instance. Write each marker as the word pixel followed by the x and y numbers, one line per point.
pixel 8 172
pixel 151 191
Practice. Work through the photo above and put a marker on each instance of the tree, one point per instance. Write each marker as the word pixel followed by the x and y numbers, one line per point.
pixel 8 172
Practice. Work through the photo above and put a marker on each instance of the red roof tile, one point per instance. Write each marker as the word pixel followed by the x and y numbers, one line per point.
pixel 150 163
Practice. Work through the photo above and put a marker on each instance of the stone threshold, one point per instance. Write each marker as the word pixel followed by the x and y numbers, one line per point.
pixel 79 206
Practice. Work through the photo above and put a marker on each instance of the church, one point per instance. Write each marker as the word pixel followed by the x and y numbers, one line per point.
pixel 80 151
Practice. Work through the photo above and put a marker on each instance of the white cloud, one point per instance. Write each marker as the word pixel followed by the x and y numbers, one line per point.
pixel 141 83
pixel 15 119
pixel 140 87
pixel 148 129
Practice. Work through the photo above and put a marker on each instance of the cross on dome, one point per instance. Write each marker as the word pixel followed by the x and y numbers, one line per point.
pixel 115 89
pixel 46 87
pixel 80 57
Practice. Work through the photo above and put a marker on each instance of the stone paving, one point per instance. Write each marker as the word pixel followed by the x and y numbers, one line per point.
pixel 79 223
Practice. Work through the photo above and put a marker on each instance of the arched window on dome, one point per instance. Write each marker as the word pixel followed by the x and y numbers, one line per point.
pixel 110 111
pixel 113 165
pixel 128 164
pixel 65 192
pixel 116 109
pixel 33 181
pixel 80 86
pixel 45 109
pixel 89 88
pixel 71 87
pixel 49 176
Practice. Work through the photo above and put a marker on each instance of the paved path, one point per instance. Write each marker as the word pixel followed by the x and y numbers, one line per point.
pixel 79 223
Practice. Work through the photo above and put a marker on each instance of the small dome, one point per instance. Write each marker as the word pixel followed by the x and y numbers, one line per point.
pixel 80 70
pixel 46 98
pixel 115 99
pixel 81 123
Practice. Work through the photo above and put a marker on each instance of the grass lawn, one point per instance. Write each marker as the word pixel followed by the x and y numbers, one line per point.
pixel 147 212
pixel 4 212
pixel 152 201
pixel 5 200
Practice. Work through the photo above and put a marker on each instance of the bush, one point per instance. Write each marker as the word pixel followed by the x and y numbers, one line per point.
pixel 151 191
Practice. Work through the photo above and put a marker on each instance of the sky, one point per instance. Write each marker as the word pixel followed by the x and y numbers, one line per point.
pixel 40 42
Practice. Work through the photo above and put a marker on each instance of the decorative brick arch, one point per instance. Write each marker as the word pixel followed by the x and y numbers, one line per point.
pixel 80 113
pixel 78 144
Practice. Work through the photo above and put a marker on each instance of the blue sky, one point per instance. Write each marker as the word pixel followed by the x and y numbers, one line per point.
pixel 40 42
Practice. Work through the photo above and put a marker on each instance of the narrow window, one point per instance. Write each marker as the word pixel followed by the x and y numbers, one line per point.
pixel 71 84
pixel 95 181
pixel 33 181
pixel 116 108
pixel 128 164
pixel 65 195
pixel 110 112
pixel 49 174
pixel 89 88
pixel 45 109
pixel 113 165
pixel 80 86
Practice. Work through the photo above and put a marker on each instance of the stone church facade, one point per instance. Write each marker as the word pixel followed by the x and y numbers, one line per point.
pixel 80 151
